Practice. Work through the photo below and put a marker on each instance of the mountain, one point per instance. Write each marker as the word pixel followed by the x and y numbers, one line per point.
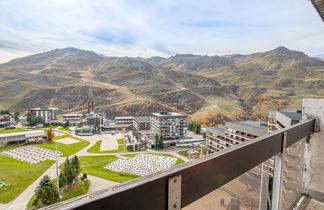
pixel 238 86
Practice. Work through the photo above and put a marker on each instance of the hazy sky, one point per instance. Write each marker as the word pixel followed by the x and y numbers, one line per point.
pixel 158 27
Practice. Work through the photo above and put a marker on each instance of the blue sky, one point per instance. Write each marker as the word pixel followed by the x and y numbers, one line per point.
pixel 158 27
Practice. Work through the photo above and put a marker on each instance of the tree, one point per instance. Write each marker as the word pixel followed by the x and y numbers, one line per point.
pixel 66 124
pixel 68 172
pixel 16 115
pixel 29 118
pixel 190 126
pixel 33 121
pixel 204 135
pixel 62 182
pixel 96 124
pixel 156 140
pixel 75 165
pixel 3 112
pixel 160 143
pixel 46 193
pixel 50 134
pixel 198 128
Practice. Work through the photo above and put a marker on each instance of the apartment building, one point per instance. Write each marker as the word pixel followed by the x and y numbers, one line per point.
pixel 170 125
pixel 6 121
pixel 124 122
pixel 233 133
pixel 141 124
pixel 74 119
pixel 49 115
pixel 283 119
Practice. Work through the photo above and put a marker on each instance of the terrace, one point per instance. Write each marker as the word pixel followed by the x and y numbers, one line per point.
pixel 231 179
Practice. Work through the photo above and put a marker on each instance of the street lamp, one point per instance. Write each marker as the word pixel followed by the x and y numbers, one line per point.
pixel 57 173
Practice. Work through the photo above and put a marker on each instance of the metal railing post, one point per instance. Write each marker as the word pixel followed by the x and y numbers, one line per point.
pixel 277 175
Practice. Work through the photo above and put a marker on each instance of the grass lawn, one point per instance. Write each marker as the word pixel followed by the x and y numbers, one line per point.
pixel 12 130
pixel 94 166
pixel 18 175
pixel 65 129
pixel 183 153
pixel 52 127
pixel 77 189
pixel 67 149
pixel 130 155
pixel 96 148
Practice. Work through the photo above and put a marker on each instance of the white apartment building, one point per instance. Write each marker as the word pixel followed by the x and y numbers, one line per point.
pixel 74 119
pixel 170 125
pixel 49 115
pixel 124 122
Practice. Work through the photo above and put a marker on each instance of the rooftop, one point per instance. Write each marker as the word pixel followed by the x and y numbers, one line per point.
pixel 142 119
pixel 249 127
pixel 216 130
pixel 44 108
pixel 124 118
pixel 168 114
pixel 72 115
pixel 294 115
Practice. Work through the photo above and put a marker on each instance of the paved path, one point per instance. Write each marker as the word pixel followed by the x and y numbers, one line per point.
pixel 109 142
pixel 97 184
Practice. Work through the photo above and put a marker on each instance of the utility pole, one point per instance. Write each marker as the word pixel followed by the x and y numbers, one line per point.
pixel 57 173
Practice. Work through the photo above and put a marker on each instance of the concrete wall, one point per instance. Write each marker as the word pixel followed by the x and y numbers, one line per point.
pixel 314 175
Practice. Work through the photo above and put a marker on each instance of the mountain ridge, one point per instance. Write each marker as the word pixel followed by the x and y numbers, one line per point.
pixel 197 85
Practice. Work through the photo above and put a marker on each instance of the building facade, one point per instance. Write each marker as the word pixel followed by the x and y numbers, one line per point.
pixel 170 125
pixel 141 124
pixel 233 133
pixel 283 119
pixel 23 136
pixel 124 122
pixel 74 119
pixel 49 115
pixel 6 121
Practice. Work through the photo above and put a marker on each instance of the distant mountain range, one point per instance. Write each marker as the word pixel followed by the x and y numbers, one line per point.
pixel 247 86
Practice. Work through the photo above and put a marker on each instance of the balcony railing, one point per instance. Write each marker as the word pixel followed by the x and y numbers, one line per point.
pixel 183 184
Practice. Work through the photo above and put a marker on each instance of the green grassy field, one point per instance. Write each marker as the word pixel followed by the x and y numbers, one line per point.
pixel 64 129
pixel 18 175
pixel 52 127
pixel 67 149
pixel 129 155
pixel 78 189
pixel 183 153
pixel 12 130
pixel 94 166
pixel 96 148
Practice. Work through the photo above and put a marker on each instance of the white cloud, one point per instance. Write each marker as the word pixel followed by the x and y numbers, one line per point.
pixel 159 27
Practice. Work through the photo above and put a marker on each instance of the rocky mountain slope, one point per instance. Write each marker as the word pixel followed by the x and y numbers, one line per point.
pixel 239 86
